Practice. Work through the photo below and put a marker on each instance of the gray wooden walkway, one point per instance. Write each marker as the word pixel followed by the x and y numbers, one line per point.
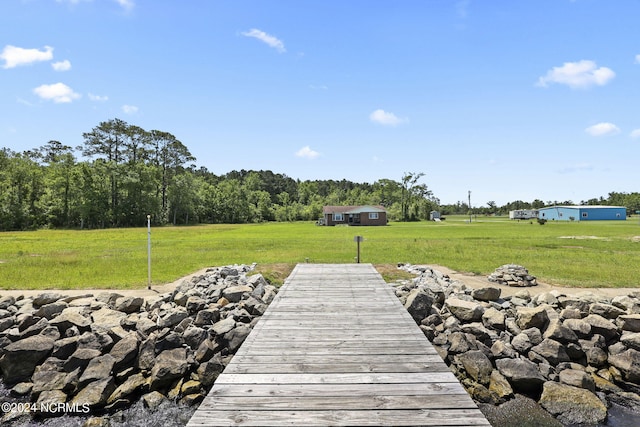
pixel 336 347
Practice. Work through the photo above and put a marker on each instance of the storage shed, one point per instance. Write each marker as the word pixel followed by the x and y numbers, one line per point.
pixel 583 213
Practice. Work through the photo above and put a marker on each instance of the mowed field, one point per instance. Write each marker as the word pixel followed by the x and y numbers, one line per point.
pixel 581 254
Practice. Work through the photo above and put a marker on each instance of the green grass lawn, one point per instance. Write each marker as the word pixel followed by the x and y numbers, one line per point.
pixel 584 254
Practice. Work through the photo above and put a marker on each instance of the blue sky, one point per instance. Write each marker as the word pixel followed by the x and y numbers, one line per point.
pixel 529 99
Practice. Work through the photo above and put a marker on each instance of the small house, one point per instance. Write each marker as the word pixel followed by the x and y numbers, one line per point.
pixel 583 213
pixel 353 215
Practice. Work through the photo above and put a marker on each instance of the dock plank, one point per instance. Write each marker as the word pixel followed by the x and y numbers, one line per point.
pixel 336 347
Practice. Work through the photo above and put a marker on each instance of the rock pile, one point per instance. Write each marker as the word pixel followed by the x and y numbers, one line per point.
pixel 105 352
pixel 576 355
pixel 512 275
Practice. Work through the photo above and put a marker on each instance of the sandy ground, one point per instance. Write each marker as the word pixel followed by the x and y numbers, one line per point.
pixel 475 281
pixel 143 292
pixel 470 280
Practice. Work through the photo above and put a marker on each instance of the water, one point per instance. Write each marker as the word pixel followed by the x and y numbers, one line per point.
pixel 168 414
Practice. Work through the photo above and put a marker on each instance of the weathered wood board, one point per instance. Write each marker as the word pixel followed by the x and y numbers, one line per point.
pixel 336 347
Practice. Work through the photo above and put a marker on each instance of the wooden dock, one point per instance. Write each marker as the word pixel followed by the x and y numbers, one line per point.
pixel 336 347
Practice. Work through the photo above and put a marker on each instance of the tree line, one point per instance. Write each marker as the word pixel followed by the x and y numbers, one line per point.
pixel 126 173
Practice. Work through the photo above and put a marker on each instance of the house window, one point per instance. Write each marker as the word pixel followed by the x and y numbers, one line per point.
pixel 373 215
pixel 338 217
pixel 585 214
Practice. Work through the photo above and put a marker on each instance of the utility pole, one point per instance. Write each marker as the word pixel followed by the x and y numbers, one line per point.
pixel 149 251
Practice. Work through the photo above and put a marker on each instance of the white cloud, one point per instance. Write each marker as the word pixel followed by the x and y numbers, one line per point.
pixel 307 153
pixel 126 4
pixel 97 98
pixel 129 109
pixel 384 118
pixel 62 65
pixel 635 133
pixel 272 41
pixel 59 93
pixel 580 167
pixel 578 75
pixel 637 59
pixel 15 56
pixel 603 129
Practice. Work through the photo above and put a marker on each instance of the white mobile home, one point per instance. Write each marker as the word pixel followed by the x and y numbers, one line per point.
pixel 523 214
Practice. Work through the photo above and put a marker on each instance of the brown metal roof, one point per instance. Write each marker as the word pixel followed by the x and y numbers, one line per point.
pixel 352 209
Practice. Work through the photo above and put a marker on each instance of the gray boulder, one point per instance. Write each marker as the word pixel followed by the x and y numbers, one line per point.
pixel 600 325
pixel 235 293
pixel 98 369
pixel 169 365
pixel 207 317
pixel 48 311
pixel 631 340
pixel 128 304
pixel 486 294
pixel 81 358
pixel 153 400
pixel 236 337
pixel 51 398
pixel 419 304
pixel 173 317
pixel 628 362
pixel 465 311
pixel 477 365
pixel 579 327
pixel 550 350
pixel 493 318
pixel 130 386
pixel 95 394
pixel 607 311
pixel 577 378
pixel 528 317
pixel 70 318
pixel 107 318
pixel 208 371
pixel 124 351
pixel 629 322
pixel 46 298
pixel 223 326
pixel 20 358
pixel 572 405
pixel 50 376
pixel 522 374
pixel 559 332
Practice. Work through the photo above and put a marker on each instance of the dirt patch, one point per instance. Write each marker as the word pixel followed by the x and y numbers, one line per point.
pixel 469 279
pixel 475 281
pixel 583 237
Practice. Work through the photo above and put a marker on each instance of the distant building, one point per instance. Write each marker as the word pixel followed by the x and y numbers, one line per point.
pixel 583 213
pixel 523 214
pixel 353 215
pixel 434 216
